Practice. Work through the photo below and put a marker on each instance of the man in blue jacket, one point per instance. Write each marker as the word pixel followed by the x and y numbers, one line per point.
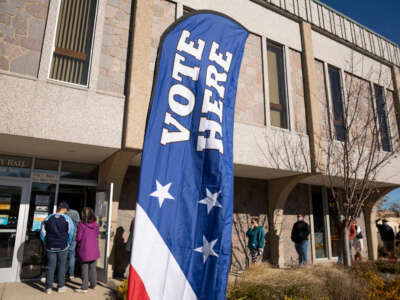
pixel 56 233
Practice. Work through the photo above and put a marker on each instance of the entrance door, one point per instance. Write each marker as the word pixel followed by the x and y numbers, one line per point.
pixel 103 213
pixel 13 208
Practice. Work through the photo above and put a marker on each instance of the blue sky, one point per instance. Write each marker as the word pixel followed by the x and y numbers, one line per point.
pixel 383 17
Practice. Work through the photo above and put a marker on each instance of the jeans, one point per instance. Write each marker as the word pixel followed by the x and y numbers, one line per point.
pixel 301 249
pixel 56 260
pixel 89 273
pixel 71 258
pixel 341 251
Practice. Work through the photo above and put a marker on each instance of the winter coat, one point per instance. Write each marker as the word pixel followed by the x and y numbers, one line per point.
pixel 352 231
pixel 300 231
pixel 74 215
pixel 386 232
pixel 56 232
pixel 87 242
pixel 256 238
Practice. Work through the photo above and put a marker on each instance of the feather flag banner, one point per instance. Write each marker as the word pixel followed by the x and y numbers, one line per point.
pixel 183 226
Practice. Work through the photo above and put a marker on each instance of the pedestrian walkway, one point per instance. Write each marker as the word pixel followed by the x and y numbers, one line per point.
pixel 35 291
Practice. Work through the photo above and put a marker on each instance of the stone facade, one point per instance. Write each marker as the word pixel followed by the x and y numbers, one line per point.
pixel 296 203
pixel 322 98
pixel 250 200
pixel 392 115
pixel 163 16
pixel 114 46
pixel 22 25
pixel 297 89
pixel 250 107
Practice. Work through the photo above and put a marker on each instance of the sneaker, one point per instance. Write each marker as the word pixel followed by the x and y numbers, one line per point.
pixel 81 291
pixel 62 289
pixel 48 291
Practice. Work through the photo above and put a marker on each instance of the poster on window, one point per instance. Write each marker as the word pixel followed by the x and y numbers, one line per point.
pixel 42 200
pixel 3 220
pixel 38 218
pixel 5 203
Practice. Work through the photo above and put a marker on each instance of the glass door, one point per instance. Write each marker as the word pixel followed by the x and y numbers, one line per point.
pixel 13 208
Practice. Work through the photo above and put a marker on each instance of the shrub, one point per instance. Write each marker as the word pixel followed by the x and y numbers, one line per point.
pixel 122 290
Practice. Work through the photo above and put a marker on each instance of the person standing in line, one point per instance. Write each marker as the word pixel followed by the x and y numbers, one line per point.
pixel 256 240
pixel 88 249
pixel 352 234
pixel 358 243
pixel 74 215
pixel 387 235
pixel 299 236
pixel 56 233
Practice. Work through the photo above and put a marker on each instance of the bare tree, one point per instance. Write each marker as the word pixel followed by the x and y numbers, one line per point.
pixel 358 146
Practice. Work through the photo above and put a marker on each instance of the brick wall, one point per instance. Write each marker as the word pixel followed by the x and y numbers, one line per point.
pixel 163 16
pixel 250 95
pixel 297 203
pixel 322 97
pixel 297 89
pixel 392 115
pixel 22 25
pixel 250 200
pixel 114 46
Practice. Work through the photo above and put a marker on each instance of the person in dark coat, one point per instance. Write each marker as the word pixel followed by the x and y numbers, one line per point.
pixel 88 248
pixel 299 236
pixel 387 235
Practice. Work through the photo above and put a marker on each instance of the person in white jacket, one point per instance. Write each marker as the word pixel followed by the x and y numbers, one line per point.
pixel 358 243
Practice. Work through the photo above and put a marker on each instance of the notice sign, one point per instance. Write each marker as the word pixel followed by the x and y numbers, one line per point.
pixel 44 177
pixel 5 203
pixel 3 220
pixel 38 218
pixel 42 200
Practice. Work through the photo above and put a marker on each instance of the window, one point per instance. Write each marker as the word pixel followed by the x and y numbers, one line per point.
pixel 337 102
pixel 382 118
pixel 319 222
pixel 70 170
pixel 73 44
pixel 277 86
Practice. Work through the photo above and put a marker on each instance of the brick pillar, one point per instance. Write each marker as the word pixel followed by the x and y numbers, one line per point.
pixel 140 76
pixel 313 112
pixel 113 169
pixel 396 95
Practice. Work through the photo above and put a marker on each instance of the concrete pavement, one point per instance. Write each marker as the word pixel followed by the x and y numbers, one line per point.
pixel 35 291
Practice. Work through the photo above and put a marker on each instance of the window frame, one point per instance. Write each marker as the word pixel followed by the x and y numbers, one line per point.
pixel 334 123
pixel 275 106
pixel 91 52
pixel 385 116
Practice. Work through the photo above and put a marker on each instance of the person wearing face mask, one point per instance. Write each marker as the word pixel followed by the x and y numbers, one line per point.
pixel 299 236
pixel 256 240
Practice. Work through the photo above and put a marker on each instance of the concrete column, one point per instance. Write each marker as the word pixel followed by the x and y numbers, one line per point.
pixel 113 169
pixel 278 193
pixel 313 111
pixel 369 211
pixel 140 76
pixel 396 87
pixel 371 234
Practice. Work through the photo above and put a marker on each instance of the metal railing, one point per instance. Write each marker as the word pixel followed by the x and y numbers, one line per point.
pixel 339 25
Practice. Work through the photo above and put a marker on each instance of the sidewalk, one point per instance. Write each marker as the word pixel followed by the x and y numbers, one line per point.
pixel 35 291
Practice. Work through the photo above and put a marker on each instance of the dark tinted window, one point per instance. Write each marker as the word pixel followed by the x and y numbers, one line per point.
pixel 382 118
pixel 277 86
pixel 70 170
pixel 336 95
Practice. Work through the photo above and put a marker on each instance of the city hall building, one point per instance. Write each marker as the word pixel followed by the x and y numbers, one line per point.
pixel 75 86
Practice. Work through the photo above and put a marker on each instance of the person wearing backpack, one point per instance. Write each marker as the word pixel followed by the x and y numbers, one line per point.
pixel 299 236
pixel 358 243
pixel 88 249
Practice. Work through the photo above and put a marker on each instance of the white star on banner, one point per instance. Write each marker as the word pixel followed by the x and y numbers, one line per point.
pixel 211 200
pixel 162 192
pixel 207 248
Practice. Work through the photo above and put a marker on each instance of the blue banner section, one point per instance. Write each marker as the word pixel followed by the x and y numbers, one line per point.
pixel 186 181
